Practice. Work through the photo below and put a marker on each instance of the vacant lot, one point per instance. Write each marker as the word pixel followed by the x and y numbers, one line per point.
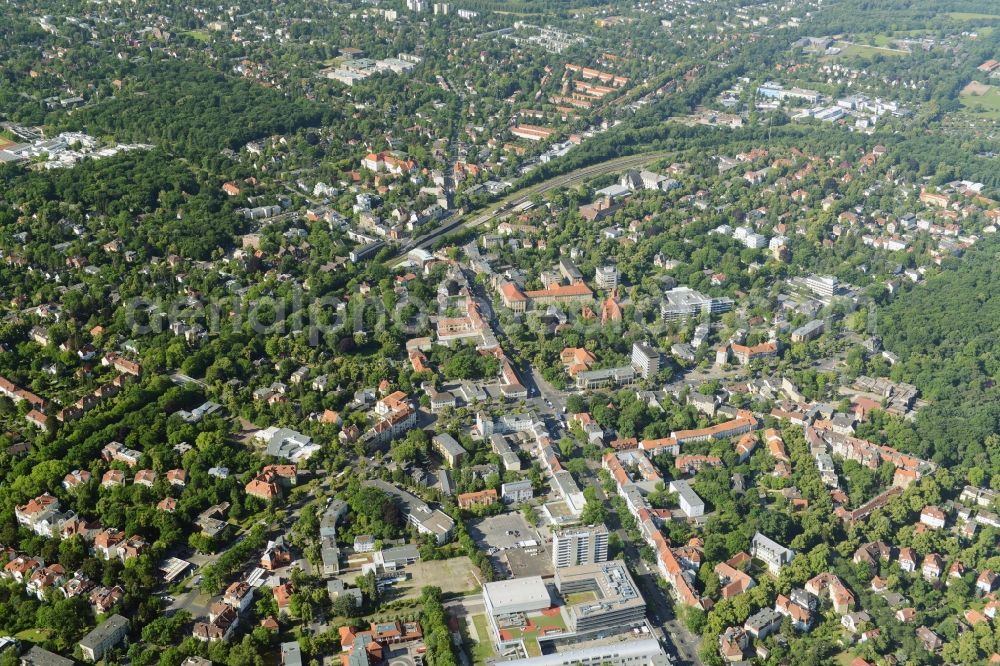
pixel 975 88
pixel 454 575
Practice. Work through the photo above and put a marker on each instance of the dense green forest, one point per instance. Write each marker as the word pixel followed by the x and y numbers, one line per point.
pixel 945 334
pixel 147 184
pixel 194 109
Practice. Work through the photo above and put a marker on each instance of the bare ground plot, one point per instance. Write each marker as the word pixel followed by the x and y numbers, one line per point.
pixel 975 88
pixel 456 575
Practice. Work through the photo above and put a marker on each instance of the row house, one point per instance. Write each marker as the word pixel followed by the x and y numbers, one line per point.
pixel 689 464
pixel 122 364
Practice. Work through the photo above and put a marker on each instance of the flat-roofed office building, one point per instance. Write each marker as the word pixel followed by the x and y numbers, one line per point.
pixel 579 545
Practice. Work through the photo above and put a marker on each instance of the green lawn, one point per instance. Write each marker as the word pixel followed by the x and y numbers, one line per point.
pixel 844 659
pixel 865 51
pixel 33 635
pixel 483 648
pixel 987 105
pixel 200 35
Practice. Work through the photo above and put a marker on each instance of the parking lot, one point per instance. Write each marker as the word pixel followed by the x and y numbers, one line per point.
pixel 406 655
pixel 501 532
pixel 521 563
pixel 503 538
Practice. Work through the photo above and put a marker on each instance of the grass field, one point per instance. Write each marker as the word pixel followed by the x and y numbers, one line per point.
pixel 866 51
pixel 971 16
pixel 33 635
pixel 981 100
pixel 882 39
pixel 200 35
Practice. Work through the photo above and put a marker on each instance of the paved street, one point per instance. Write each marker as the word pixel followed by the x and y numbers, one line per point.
pixel 566 180
pixel 197 603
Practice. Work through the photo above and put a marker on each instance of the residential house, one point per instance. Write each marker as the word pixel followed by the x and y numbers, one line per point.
pixel 828 584
pixel 39 514
pixel 930 640
pixel 145 477
pixel 733 643
pixel 107 541
pixel 486 497
pixel 907 560
pixel 103 599
pixel 282 597
pixel 104 638
pixel 75 479
pixel 45 578
pixel 986 582
pixel 276 555
pixel 763 623
pixel 218 628
pixel 239 596
pixel 933 567
pixel 773 554
pixel 113 477
pixel 854 621
pixel 932 517
pixel 177 477
pixel 801 612
pixel 21 568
